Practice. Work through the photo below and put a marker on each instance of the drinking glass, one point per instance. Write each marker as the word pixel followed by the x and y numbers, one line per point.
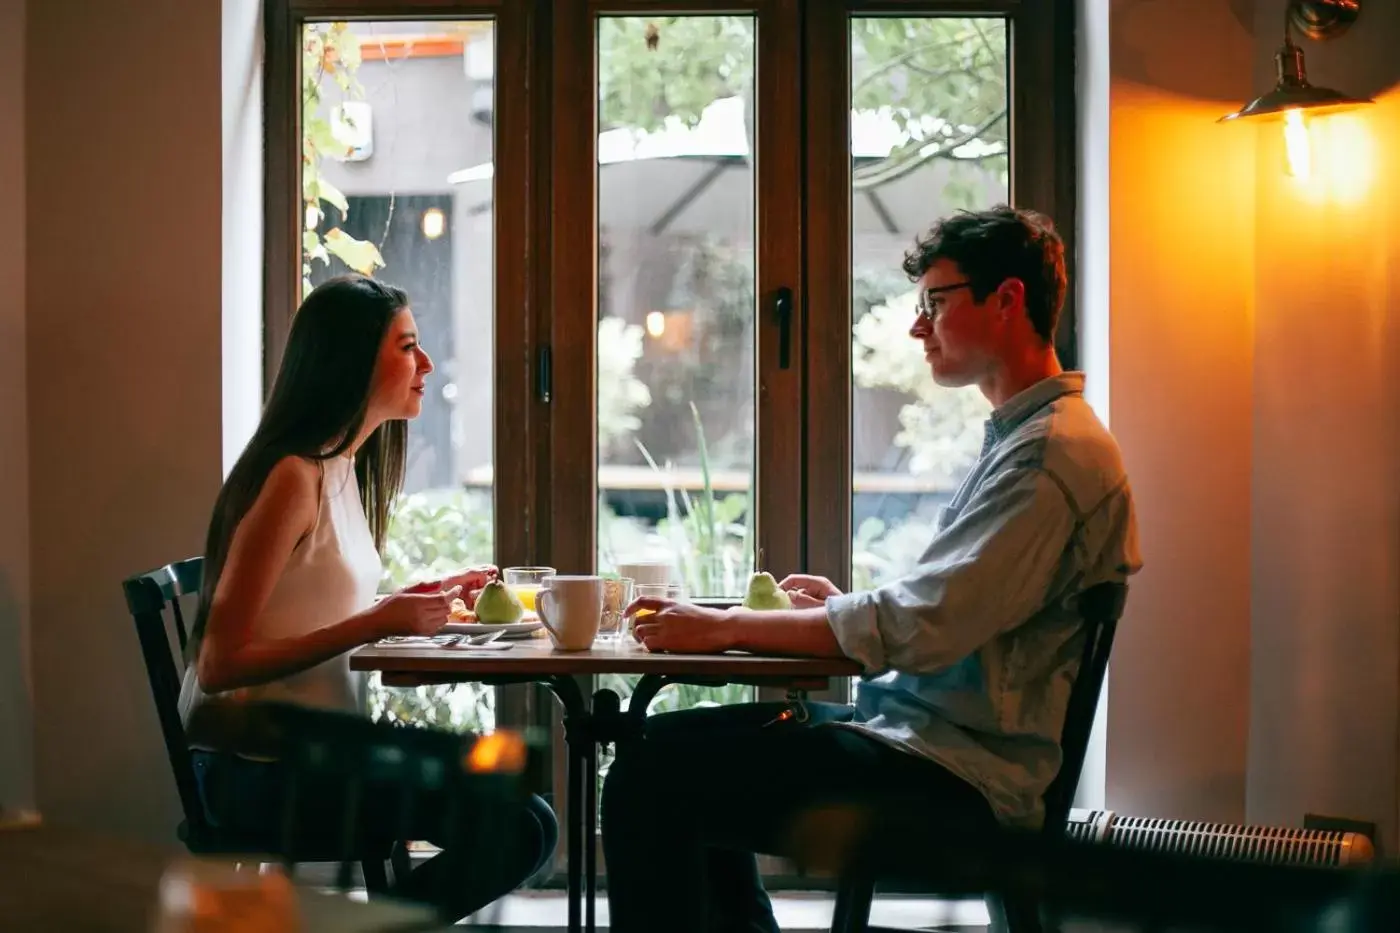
pixel 661 590
pixel 525 582
pixel 617 594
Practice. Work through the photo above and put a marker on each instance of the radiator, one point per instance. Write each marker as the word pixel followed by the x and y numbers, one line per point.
pixel 1269 844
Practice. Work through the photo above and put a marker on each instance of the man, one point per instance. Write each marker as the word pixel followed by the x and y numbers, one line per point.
pixel 968 659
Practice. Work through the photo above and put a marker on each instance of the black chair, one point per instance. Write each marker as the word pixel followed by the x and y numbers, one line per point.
pixel 337 756
pixel 151 597
pixel 1100 607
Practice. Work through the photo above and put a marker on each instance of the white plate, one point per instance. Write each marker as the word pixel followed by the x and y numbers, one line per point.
pixel 477 628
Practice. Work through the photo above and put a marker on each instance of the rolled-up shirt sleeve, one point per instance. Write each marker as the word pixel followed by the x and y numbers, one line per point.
pixel 990 570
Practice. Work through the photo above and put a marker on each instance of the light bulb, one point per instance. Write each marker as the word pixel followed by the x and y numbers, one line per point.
pixel 1296 145
pixel 434 222
pixel 656 323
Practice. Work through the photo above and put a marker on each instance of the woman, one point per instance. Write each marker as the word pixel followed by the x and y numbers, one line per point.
pixel 292 567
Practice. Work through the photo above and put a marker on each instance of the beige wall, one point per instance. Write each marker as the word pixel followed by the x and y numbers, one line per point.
pixel 1255 328
pixel 1181 207
pixel 1326 473
pixel 16 726
pixel 123 148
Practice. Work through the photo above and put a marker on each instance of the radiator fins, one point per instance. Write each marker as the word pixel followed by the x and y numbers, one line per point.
pixel 1267 844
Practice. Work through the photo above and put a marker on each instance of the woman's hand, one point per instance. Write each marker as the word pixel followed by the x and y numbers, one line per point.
pixel 666 625
pixel 414 612
pixel 472 581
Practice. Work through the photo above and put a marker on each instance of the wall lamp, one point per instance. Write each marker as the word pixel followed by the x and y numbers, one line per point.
pixel 1293 99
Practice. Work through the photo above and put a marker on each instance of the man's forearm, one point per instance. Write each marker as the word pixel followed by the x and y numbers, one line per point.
pixel 801 632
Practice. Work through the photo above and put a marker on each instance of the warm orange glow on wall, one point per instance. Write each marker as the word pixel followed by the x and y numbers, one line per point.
pixel 1181 204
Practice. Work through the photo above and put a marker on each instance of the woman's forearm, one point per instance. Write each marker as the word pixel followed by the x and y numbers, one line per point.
pixel 264 660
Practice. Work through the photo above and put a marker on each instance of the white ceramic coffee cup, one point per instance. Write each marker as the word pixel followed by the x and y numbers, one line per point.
pixel 570 608
pixel 646 571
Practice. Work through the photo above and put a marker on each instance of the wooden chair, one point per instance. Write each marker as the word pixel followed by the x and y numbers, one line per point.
pixel 1100 607
pixel 151 598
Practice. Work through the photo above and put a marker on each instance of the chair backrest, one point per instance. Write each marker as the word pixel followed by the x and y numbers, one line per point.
pixel 150 598
pixel 340 756
pixel 1100 607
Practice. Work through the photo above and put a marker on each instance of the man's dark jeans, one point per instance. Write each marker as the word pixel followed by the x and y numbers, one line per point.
pixel 686 808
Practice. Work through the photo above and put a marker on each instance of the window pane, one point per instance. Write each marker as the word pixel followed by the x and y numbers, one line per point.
pixel 676 296
pixel 676 306
pixel 397 149
pixel 929 135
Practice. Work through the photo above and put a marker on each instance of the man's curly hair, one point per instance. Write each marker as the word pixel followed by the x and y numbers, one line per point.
pixel 994 245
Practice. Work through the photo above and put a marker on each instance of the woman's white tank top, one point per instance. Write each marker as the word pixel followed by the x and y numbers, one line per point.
pixel 333 573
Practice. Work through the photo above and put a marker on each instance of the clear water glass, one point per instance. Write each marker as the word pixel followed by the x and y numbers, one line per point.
pixel 617 594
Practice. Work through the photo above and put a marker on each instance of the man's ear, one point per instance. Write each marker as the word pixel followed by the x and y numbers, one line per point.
pixel 1011 298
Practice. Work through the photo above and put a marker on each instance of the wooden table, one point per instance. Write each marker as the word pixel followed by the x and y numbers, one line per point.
pixel 590 722
pixel 64 879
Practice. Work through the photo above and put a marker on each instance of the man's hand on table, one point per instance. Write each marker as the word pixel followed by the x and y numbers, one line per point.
pixel 666 625
pixel 807 591
pixel 684 628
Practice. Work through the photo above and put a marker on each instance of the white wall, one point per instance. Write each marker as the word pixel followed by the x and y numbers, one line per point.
pixel 1093 88
pixel 124 375
pixel 242 225
pixel 16 724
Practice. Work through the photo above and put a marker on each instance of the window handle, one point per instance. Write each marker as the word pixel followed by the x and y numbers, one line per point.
pixel 782 308
pixel 544 375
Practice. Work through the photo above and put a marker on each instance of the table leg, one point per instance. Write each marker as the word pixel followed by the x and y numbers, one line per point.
pixel 646 690
pixel 585 725
pixel 578 738
pixel 578 770
pixel 590 835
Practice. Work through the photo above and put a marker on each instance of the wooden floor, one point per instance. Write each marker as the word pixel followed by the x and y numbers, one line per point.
pixel 546 912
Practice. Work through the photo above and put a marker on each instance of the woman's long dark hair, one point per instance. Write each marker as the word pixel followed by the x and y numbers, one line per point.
pixel 316 409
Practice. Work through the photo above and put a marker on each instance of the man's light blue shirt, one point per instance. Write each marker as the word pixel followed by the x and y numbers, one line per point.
pixel 969 658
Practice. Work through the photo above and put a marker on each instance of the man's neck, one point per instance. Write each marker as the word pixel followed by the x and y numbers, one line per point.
pixel 1017 374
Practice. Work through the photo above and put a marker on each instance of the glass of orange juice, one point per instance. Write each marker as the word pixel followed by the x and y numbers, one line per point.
pixel 526 582
pixel 659 590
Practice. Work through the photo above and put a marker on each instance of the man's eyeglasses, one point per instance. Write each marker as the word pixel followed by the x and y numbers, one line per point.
pixel 924 306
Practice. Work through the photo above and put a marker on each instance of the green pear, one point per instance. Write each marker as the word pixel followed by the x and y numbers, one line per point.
pixel 497 605
pixel 764 593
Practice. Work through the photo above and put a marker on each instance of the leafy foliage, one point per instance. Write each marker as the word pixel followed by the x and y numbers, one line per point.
pixel 620 393
pixel 943 80
pixel 651 68
pixel 328 50
pixel 711 537
pixel 436 533
pixel 941 428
